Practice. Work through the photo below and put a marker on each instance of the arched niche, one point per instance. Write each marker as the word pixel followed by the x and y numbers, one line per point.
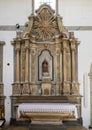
pixel 45 63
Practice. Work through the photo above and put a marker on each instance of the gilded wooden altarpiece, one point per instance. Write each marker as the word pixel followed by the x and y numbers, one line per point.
pixel 46 61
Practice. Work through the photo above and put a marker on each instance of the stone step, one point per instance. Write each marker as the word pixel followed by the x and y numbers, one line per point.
pixel 46 127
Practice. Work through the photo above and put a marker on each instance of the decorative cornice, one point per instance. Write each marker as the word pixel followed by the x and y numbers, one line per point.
pixel 79 28
pixel 10 28
pixel 70 28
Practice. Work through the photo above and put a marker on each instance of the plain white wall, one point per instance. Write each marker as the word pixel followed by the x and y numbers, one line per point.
pixel 84 62
pixel 78 13
pixel 7 69
pixel 11 13
pixel 74 13
pixel 14 11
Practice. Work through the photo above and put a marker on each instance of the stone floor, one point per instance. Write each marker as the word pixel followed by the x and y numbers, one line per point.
pixel 27 128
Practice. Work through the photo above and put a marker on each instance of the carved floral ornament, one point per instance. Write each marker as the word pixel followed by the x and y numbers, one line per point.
pixel 45 24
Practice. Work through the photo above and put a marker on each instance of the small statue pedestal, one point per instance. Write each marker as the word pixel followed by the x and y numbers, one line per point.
pixel 46 84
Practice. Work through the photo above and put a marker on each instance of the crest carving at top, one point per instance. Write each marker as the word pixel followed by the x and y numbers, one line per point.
pixel 45 24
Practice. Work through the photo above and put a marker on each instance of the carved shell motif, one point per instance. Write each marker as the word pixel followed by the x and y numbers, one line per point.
pixel 45 24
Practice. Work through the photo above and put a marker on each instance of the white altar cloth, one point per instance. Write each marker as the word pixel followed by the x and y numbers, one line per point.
pixel 47 107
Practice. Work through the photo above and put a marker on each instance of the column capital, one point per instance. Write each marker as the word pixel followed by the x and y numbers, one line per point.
pixel 2 42
pixel 57 39
pixel 16 43
pixel 64 43
pixel 90 76
pixel 27 42
pixel 73 44
pixel 17 40
pixel 18 46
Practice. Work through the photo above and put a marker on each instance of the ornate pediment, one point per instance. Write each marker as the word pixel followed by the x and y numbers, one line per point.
pixel 44 26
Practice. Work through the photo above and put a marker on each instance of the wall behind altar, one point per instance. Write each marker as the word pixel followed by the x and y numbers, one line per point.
pixel 7 36
pixel 74 13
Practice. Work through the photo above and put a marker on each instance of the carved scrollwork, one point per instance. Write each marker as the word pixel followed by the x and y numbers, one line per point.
pixel 25 89
pixel 45 24
pixel 16 89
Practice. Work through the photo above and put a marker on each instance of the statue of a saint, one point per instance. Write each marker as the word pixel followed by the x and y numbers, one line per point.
pixel 45 67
